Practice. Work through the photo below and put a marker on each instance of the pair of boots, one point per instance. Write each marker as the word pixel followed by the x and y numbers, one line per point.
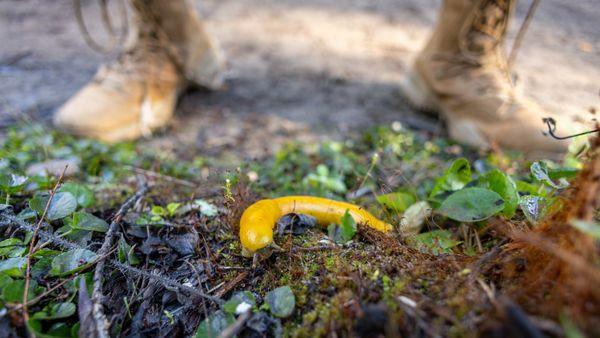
pixel 460 74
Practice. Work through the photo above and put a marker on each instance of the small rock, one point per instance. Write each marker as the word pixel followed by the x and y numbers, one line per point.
pixel 55 167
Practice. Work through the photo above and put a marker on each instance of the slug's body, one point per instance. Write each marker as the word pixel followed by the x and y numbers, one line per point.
pixel 259 219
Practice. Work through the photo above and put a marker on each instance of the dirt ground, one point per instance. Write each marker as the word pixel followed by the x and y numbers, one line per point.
pixel 297 70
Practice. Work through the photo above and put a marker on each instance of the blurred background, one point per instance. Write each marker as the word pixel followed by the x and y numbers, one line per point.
pixel 298 70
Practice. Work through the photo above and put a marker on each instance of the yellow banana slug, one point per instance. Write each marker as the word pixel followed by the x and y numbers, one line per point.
pixel 259 219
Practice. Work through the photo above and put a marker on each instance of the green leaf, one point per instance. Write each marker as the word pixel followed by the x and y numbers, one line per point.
pixel 13 267
pixel 562 172
pixel 126 254
pixel 62 205
pixel 12 247
pixel 454 178
pixel 157 210
pixel 57 330
pixel 539 170
pixel 84 195
pixel 472 205
pixel 86 221
pixel 56 311
pixel 322 178
pixel 13 292
pixel 71 262
pixel 397 201
pixel 172 208
pixel 214 324
pixel 41 267
pixel 588 227
pixel 344 232
pixel 504 185
pixel 436 242
pixel 11 183
pixel 231 306
pixel 26 214
pixel 281 301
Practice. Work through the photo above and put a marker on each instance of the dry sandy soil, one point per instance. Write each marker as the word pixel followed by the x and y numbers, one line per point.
pixel 298 69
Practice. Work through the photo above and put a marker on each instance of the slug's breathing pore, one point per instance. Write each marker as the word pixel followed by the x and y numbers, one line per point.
pixel 259 220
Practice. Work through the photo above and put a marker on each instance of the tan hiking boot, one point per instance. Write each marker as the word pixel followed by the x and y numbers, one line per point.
pixel 462 74
pixel 137 93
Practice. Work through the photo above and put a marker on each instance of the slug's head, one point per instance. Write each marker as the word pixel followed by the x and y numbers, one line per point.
pixel 257 223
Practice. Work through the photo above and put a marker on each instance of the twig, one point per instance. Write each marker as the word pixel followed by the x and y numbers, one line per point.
pixel 32 245
pixel 44 294
pixel 165 281
pixel 231 284
pixel 237 326
pixel 98 312
pixel 13 220
pixel 521 34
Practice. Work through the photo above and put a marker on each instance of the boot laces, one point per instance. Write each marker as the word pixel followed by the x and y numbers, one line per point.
pixel 485 27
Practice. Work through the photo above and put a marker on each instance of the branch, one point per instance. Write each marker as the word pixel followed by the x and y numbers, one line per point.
pixel 32 246
pixel 98 312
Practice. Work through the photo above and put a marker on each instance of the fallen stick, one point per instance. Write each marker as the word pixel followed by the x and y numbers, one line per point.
pixel 98 311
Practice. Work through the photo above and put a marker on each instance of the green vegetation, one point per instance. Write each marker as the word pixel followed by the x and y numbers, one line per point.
pixel 438 194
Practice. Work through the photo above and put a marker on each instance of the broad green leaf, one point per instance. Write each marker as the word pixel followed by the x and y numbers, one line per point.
pixel 14 291
pixel 231 306
pixel 62 205
pixel 214 324
pixel 13 267
pixel 84 195
pixel 588 227
pixel 504 185
pixel 343 232
pixel 436 242
pixel 41 267
pixel 12 247
pixel 86 221
pixel 26 214
pixel 472 205
pixel 57 330
pixel 56 311
pixel 397 201
pixel 11 183
pixel 539 170
pixel 4 281
pixel 71 262
pixel 281 301
pixel 454 178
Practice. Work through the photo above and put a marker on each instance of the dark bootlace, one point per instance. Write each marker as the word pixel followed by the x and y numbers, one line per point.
pixel 152 47
pixel 485 27
pixel 152 39
pixel 482 35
